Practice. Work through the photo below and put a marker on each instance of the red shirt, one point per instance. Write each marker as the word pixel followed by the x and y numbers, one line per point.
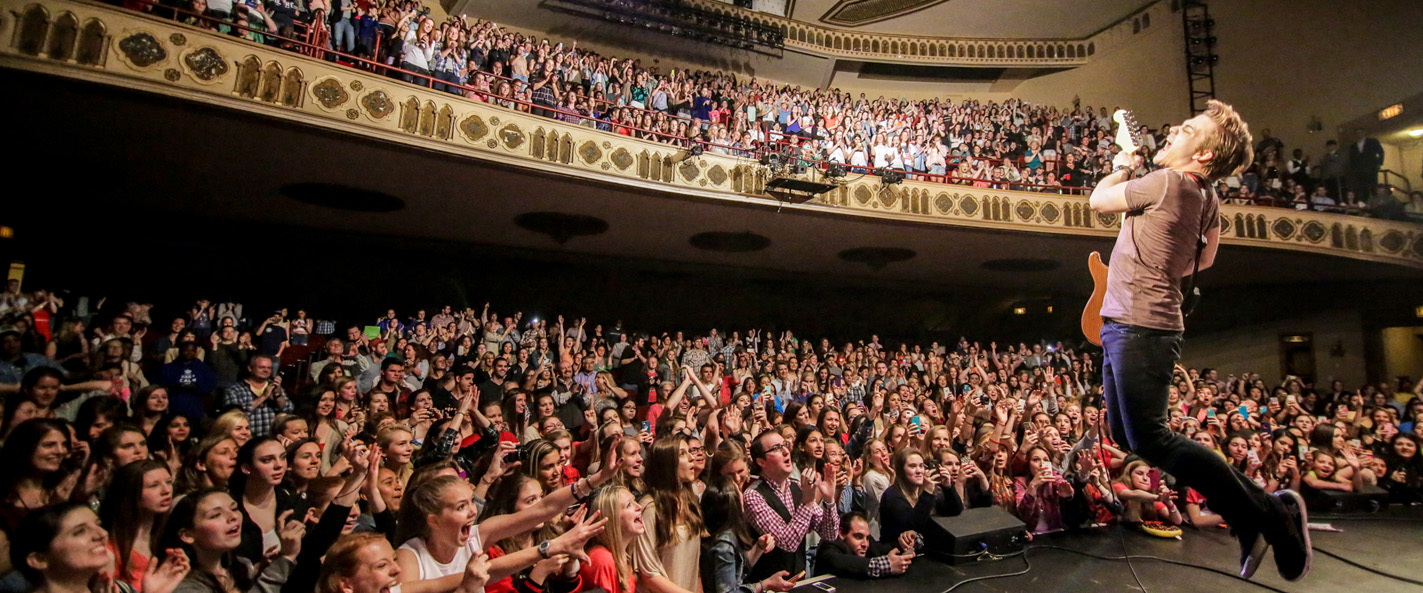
pixel 570 474
pixel 600 571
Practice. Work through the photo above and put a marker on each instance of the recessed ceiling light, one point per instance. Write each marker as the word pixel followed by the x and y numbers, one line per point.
pixel 1417 132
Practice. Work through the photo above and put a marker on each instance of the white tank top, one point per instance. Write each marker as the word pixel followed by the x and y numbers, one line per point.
pixel 271 540
pixel 431 569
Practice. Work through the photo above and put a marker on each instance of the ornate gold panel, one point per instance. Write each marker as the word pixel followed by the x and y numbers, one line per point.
pixel 589 152
pixel 205 65
pixel 142 50
pixel 329 93
pixel 377 104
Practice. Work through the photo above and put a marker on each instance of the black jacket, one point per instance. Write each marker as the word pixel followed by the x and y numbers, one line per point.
pixel 837 559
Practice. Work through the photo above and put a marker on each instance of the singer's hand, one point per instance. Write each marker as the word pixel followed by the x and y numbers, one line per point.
pixel 1124 159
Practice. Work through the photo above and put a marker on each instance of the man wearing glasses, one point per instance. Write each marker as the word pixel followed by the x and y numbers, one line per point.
pixel 787 509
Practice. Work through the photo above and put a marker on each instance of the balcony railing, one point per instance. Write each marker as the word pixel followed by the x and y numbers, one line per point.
pixel 123 48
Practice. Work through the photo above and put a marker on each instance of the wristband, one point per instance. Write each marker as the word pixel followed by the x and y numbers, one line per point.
pixel 1122 168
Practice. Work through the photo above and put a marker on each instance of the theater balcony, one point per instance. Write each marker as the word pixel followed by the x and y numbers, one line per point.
pixel 119 114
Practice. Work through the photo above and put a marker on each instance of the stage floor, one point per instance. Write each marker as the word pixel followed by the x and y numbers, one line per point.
pixel 1390 541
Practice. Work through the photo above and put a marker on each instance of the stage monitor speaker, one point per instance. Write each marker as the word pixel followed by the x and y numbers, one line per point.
pixel 974 531
pixel 1368 499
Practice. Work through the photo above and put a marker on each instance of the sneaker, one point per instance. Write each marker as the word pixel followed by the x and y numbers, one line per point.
pixel 1252 552
pixel 1293 550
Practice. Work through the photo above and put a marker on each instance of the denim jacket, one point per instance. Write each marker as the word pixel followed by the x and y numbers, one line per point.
pixel 724 565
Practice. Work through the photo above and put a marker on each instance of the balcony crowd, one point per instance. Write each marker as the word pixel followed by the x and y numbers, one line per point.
pixel 218 448
pixel 1009 145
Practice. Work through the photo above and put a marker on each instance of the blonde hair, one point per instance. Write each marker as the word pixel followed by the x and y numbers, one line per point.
pixel 224 424
pixel 1230 143
pixel 1125 479
pixel 385 435
pixel 612 537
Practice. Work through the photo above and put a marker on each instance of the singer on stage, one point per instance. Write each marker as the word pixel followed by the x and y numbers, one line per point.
pixel 1170 228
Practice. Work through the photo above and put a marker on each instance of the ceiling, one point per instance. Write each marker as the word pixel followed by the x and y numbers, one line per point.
pixel 126 157
pixel 1011 19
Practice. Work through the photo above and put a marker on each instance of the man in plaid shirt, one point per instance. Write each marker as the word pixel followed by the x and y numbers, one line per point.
pixel 259 395
pixel 786 509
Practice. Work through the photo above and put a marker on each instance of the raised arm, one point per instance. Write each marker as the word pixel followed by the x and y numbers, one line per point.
pixel 673 400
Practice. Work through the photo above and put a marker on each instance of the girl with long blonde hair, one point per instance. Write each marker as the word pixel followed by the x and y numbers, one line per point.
pixel 609 563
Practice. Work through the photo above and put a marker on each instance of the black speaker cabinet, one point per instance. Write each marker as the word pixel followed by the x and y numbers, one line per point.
pixel 976 530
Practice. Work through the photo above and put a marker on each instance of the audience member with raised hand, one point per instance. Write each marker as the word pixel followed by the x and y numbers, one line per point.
pixel 66 551
pixel 918 495
pixel 365 563
pixel 555 574
pixel 439 531
pixel 1144 498
pixel 257 485
pixel 207 526
pixel 1041 494
pixel 787 509
pixel 446 500
pixel 134 511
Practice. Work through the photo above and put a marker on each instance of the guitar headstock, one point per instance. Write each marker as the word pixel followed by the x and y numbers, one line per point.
pixel 1128 134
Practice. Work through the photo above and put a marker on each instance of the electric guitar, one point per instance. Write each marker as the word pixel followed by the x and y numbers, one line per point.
pixel 1128 138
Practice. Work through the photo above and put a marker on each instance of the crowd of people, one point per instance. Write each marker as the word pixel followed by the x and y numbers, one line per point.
pixel 1008 145
pixel 213 450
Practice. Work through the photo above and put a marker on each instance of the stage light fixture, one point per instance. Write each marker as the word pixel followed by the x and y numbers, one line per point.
pixel 835 172
pixel 891 177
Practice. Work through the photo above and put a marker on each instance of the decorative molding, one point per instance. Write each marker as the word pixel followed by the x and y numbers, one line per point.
pixel 282 85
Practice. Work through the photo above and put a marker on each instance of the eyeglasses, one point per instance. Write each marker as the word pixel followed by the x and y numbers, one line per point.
pixel 783 446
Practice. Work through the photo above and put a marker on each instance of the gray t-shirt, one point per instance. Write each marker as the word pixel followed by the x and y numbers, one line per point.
pixel 1168 209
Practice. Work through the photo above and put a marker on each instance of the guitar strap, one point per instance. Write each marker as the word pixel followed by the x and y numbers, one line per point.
pixel 1191 296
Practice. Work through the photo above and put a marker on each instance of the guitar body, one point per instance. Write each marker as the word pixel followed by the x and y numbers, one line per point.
pixel 1128 137
pixel 1092 313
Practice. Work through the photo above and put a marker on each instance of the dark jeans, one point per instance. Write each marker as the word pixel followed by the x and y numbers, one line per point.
pixel 1136 374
